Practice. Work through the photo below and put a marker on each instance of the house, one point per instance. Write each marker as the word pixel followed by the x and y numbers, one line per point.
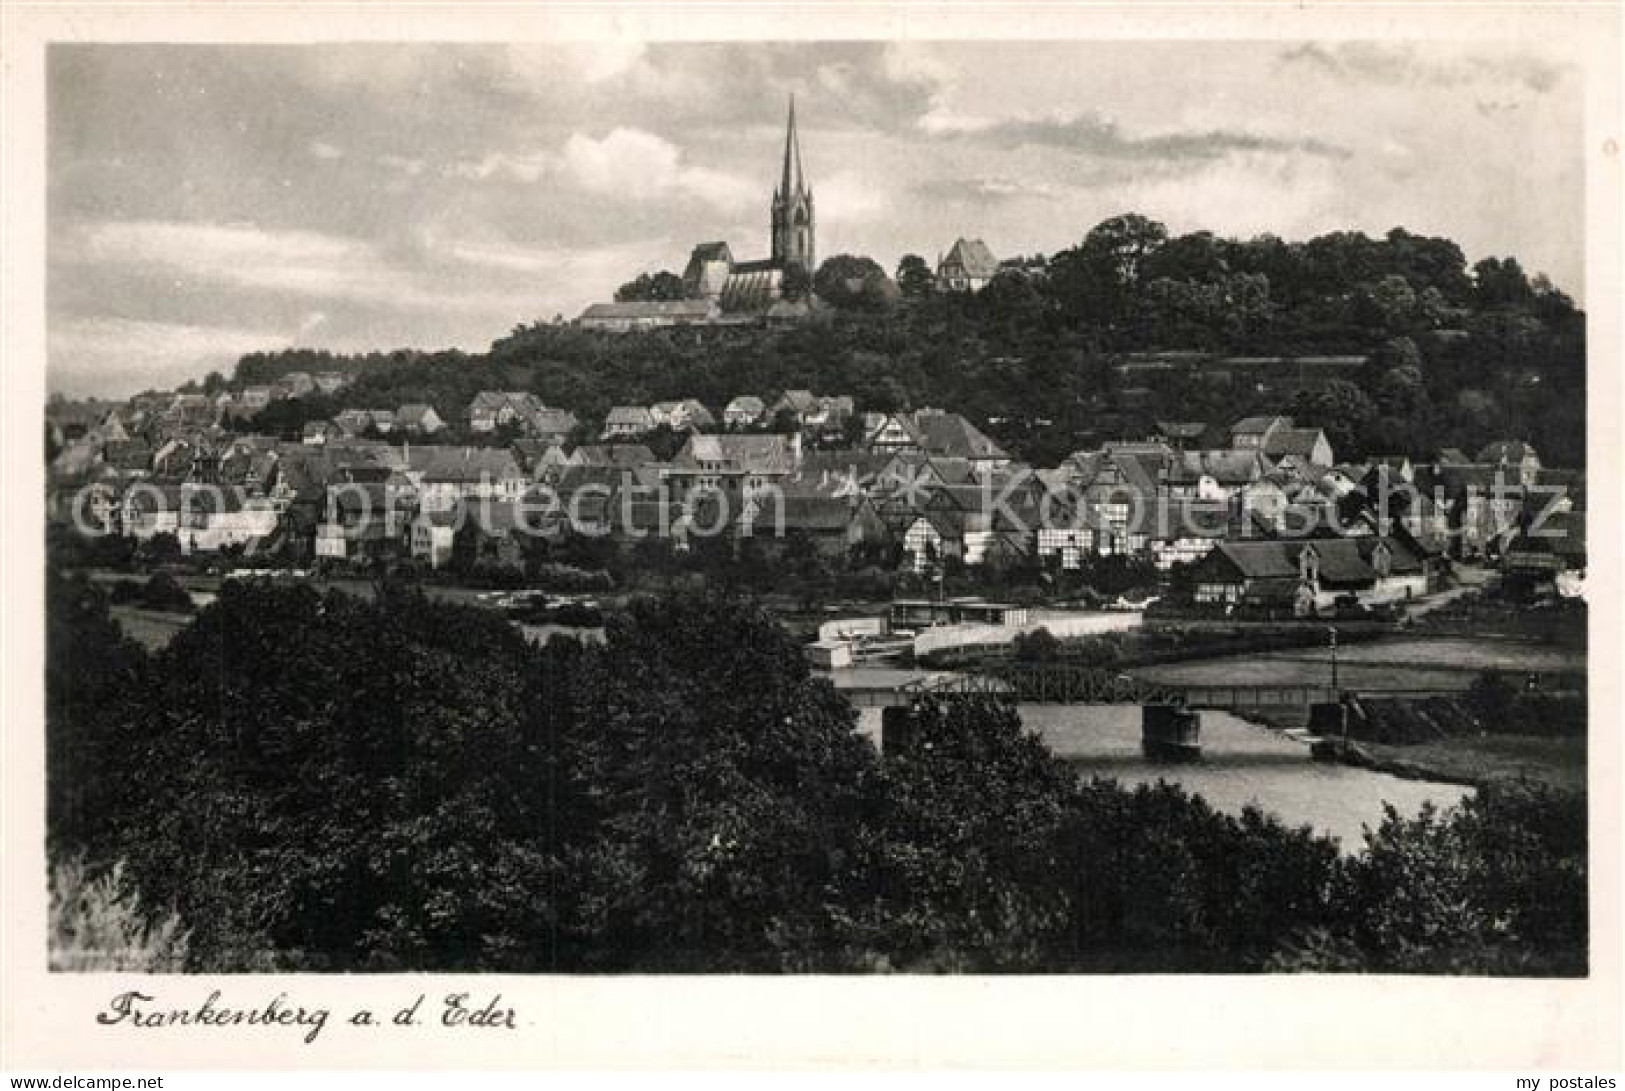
pixel 624 456
pixel 627 420
pixel 330 382
pixel 493 409
pixel 1482 503
pixel 255 398
pixel 1513 455
pixel 553 426
pixel 192 411
pixel 453 474
pixel 1210 475
pixel 296 384
pixel 743 411
pixel 833 526
pixel 433 534
pixel 797 403
pixel 353 422
pixel 963 522
pixel 949 435
pixel 536 456
pixel 967 267
pixel 648 315
pixel 687 415
pixel 493 533
pixel 1252 433
pixel 737 465
pixel 148 509
pixel 362 522
pixel 132 456
pixel 215 518
pixel 418 419
pixel 1182 434
pixel 1548 548
pixel 1304 577
pixel 1305 445
pixel 318 432
pixel 893 432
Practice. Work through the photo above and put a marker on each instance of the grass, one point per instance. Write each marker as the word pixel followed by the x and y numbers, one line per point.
pixel 1556 762
pixel 152 629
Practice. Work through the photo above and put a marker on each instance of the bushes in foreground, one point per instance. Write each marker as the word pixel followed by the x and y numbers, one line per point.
pixel 399 783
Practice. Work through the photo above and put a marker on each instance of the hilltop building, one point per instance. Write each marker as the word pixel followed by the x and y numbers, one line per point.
pixel 718 286
pixel 712 272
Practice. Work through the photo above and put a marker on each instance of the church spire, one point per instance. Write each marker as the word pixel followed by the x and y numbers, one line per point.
pixel 792 183
pixel 793 219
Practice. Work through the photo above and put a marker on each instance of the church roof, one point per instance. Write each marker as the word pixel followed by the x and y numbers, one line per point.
pixel 752 286
pixel 712 251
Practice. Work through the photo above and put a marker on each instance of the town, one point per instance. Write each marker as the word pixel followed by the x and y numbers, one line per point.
pixel 789 615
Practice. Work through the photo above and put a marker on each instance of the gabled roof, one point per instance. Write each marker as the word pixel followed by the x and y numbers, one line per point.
pixel 612 454
pixel 952 435
pixel 711 251
pixel 552 420
pixel 799 401
pixel 1293 441
pixel 1225 465
pixel 637 415
pixel 745 403
pixel 470 464
pixel 1258 426
pixel 414 414
pixel 973 257
pixel 770 454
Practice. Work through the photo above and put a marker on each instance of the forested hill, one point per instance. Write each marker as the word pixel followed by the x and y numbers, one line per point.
pixel 1459 355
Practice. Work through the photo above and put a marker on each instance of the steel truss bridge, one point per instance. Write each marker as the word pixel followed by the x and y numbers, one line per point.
pixel 1076 685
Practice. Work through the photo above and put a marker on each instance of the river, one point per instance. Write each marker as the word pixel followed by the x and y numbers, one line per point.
pixel 1242 762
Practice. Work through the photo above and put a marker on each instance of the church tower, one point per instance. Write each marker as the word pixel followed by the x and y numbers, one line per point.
pixel 793 220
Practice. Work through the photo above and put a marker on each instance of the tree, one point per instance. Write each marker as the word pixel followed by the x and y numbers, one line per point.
pixel 1500 282
pixel 656 287
pixel 914 277
pixel 1343 411
pixel 854 283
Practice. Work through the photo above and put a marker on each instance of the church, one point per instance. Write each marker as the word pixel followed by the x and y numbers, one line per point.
pixel 719 287
pixel 743 286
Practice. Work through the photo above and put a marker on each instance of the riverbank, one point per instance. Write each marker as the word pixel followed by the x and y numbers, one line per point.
pixel 1476 761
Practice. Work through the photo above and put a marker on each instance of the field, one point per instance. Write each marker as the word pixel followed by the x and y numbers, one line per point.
pixel 1402 664
pixel 1559 763
pixel 150 628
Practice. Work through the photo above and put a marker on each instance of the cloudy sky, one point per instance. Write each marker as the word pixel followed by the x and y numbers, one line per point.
pixel 208 201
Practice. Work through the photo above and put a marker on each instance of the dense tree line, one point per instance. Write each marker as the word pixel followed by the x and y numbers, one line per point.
pixel 334 782
pixel 1459 355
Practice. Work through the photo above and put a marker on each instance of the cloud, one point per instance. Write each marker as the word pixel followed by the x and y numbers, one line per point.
pixel 848 197
pixel 634 165
pixel 1098 136
pixel 985 190
pixel 503 165
pixel 287 263
pixel 1395 63
pixel 93 355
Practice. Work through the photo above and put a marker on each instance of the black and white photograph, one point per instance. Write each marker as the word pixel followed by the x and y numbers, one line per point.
pixel 808 506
